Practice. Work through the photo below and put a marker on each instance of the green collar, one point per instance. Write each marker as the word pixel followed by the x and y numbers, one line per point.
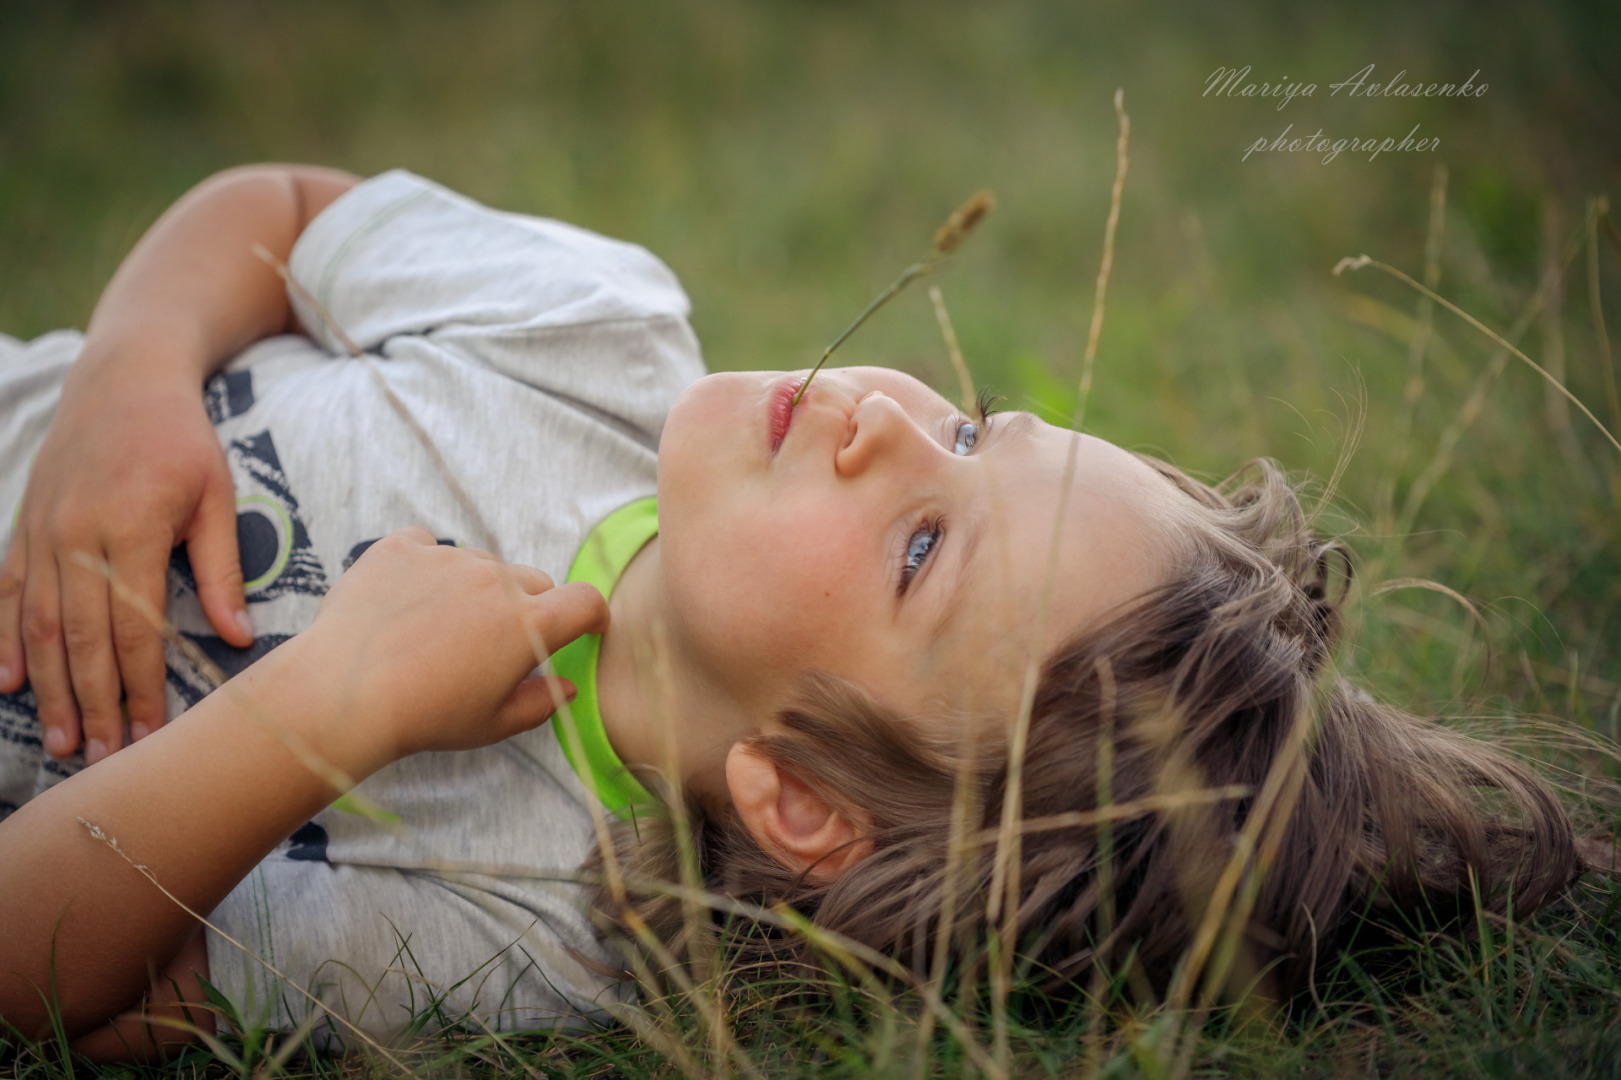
pixel 606 552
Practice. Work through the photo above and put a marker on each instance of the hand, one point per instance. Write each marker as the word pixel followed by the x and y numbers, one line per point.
pixel 430 645
pixel 129 468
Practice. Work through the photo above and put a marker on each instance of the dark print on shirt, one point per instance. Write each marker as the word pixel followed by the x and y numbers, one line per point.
pixel 228 394
pixel 308 844
pixel 25 769
pixel 278 563
pixel 274 546
pixel 21 751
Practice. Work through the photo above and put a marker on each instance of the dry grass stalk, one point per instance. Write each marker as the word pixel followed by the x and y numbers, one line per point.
pixel 97 833
pixel 1597 209
pixel 347 799
pixel 1418 346
pixel 285 272
pixel 1004 889
pixel 1359 261
pixel 1217 941
pixel 707 978
pixel 1475 401
pixel 1394 584
pixel 1089 360
pixel 711 1011
pixel 1556 407
pixel 962 856
pixel 486 538
pixel 307 755
pixel 1108 813
pixel 947 238
pixel 1473 404
pixel 965 381
pixel 1105 856
pixel 860 960
pixel 670 1046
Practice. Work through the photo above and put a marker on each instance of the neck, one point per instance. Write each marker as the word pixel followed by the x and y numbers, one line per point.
pixel 655 712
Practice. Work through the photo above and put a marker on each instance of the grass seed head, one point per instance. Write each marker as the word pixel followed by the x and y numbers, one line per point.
pixel 962 221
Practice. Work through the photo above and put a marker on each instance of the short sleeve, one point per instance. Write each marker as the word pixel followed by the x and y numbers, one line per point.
pixel 399 262
pixel 387 950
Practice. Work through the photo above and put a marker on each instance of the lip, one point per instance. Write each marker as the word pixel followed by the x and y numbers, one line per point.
pixel 780 411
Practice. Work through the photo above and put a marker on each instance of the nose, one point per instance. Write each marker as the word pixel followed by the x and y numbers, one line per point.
pixel 879 430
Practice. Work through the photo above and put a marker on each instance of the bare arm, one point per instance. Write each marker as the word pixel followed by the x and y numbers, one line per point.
pixel 192 293
pixel 130 467
pixel 200 803
pixel 418 647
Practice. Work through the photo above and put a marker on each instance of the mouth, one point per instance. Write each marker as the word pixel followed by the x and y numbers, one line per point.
pixel 780 411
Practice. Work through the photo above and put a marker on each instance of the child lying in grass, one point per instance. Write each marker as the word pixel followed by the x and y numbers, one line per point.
pixel 822 638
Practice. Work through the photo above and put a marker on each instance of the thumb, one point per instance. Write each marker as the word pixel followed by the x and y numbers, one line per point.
pixel 211 545
pixel 564 613
pixel 530 704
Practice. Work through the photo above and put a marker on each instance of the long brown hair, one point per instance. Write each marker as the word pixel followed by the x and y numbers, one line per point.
pixel 1207 683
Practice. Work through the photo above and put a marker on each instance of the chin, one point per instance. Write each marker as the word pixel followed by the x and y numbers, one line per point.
pixel 713 398
pixel 717 414
pixel 685 421
pixel 704 440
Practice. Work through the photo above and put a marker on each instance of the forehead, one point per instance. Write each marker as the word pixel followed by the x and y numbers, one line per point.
pixel 1066 529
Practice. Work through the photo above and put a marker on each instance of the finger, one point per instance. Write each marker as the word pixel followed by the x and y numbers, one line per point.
pixel 137 643
pixel 92 666
pixel 532 581
pixel 47 661
pixel 564 613
pixel 13 570
pixel 412 534
pixel 216 563
pixel 530 704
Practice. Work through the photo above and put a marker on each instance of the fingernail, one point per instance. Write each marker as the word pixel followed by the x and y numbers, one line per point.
pixel 94 751
pixel 138 731
pixel 244 624
pixel 56 742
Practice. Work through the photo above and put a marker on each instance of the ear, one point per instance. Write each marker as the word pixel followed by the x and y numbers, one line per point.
pixel 789 821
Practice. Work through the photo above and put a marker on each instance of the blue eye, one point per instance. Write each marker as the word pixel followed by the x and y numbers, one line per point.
pixel 968 432
pixel 917 553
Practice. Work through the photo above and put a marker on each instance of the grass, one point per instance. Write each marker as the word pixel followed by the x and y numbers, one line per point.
pixel 786 160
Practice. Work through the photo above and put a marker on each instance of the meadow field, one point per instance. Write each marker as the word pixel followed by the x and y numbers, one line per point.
pixel 788 159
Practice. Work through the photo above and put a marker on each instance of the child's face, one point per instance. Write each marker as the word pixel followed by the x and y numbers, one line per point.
pixel 889 539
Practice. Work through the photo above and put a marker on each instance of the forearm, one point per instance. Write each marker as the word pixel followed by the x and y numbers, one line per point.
pixel 192 292
pixel 417 647
pixel 199 804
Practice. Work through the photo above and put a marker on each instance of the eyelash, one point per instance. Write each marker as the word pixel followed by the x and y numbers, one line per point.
pixel 934 528
pixel 985 404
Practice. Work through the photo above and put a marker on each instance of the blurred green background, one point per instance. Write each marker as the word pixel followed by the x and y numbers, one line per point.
pixel 787 159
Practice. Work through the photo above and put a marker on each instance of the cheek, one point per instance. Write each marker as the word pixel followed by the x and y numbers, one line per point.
pixel 791 579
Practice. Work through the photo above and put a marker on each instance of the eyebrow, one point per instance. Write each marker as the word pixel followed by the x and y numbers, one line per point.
pixel 1013 431
pixel 1015 428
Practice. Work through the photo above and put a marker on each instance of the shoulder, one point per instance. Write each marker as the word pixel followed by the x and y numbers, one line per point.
pixel 442 228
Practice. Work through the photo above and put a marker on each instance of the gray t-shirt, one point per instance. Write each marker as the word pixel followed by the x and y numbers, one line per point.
pixel 540 360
